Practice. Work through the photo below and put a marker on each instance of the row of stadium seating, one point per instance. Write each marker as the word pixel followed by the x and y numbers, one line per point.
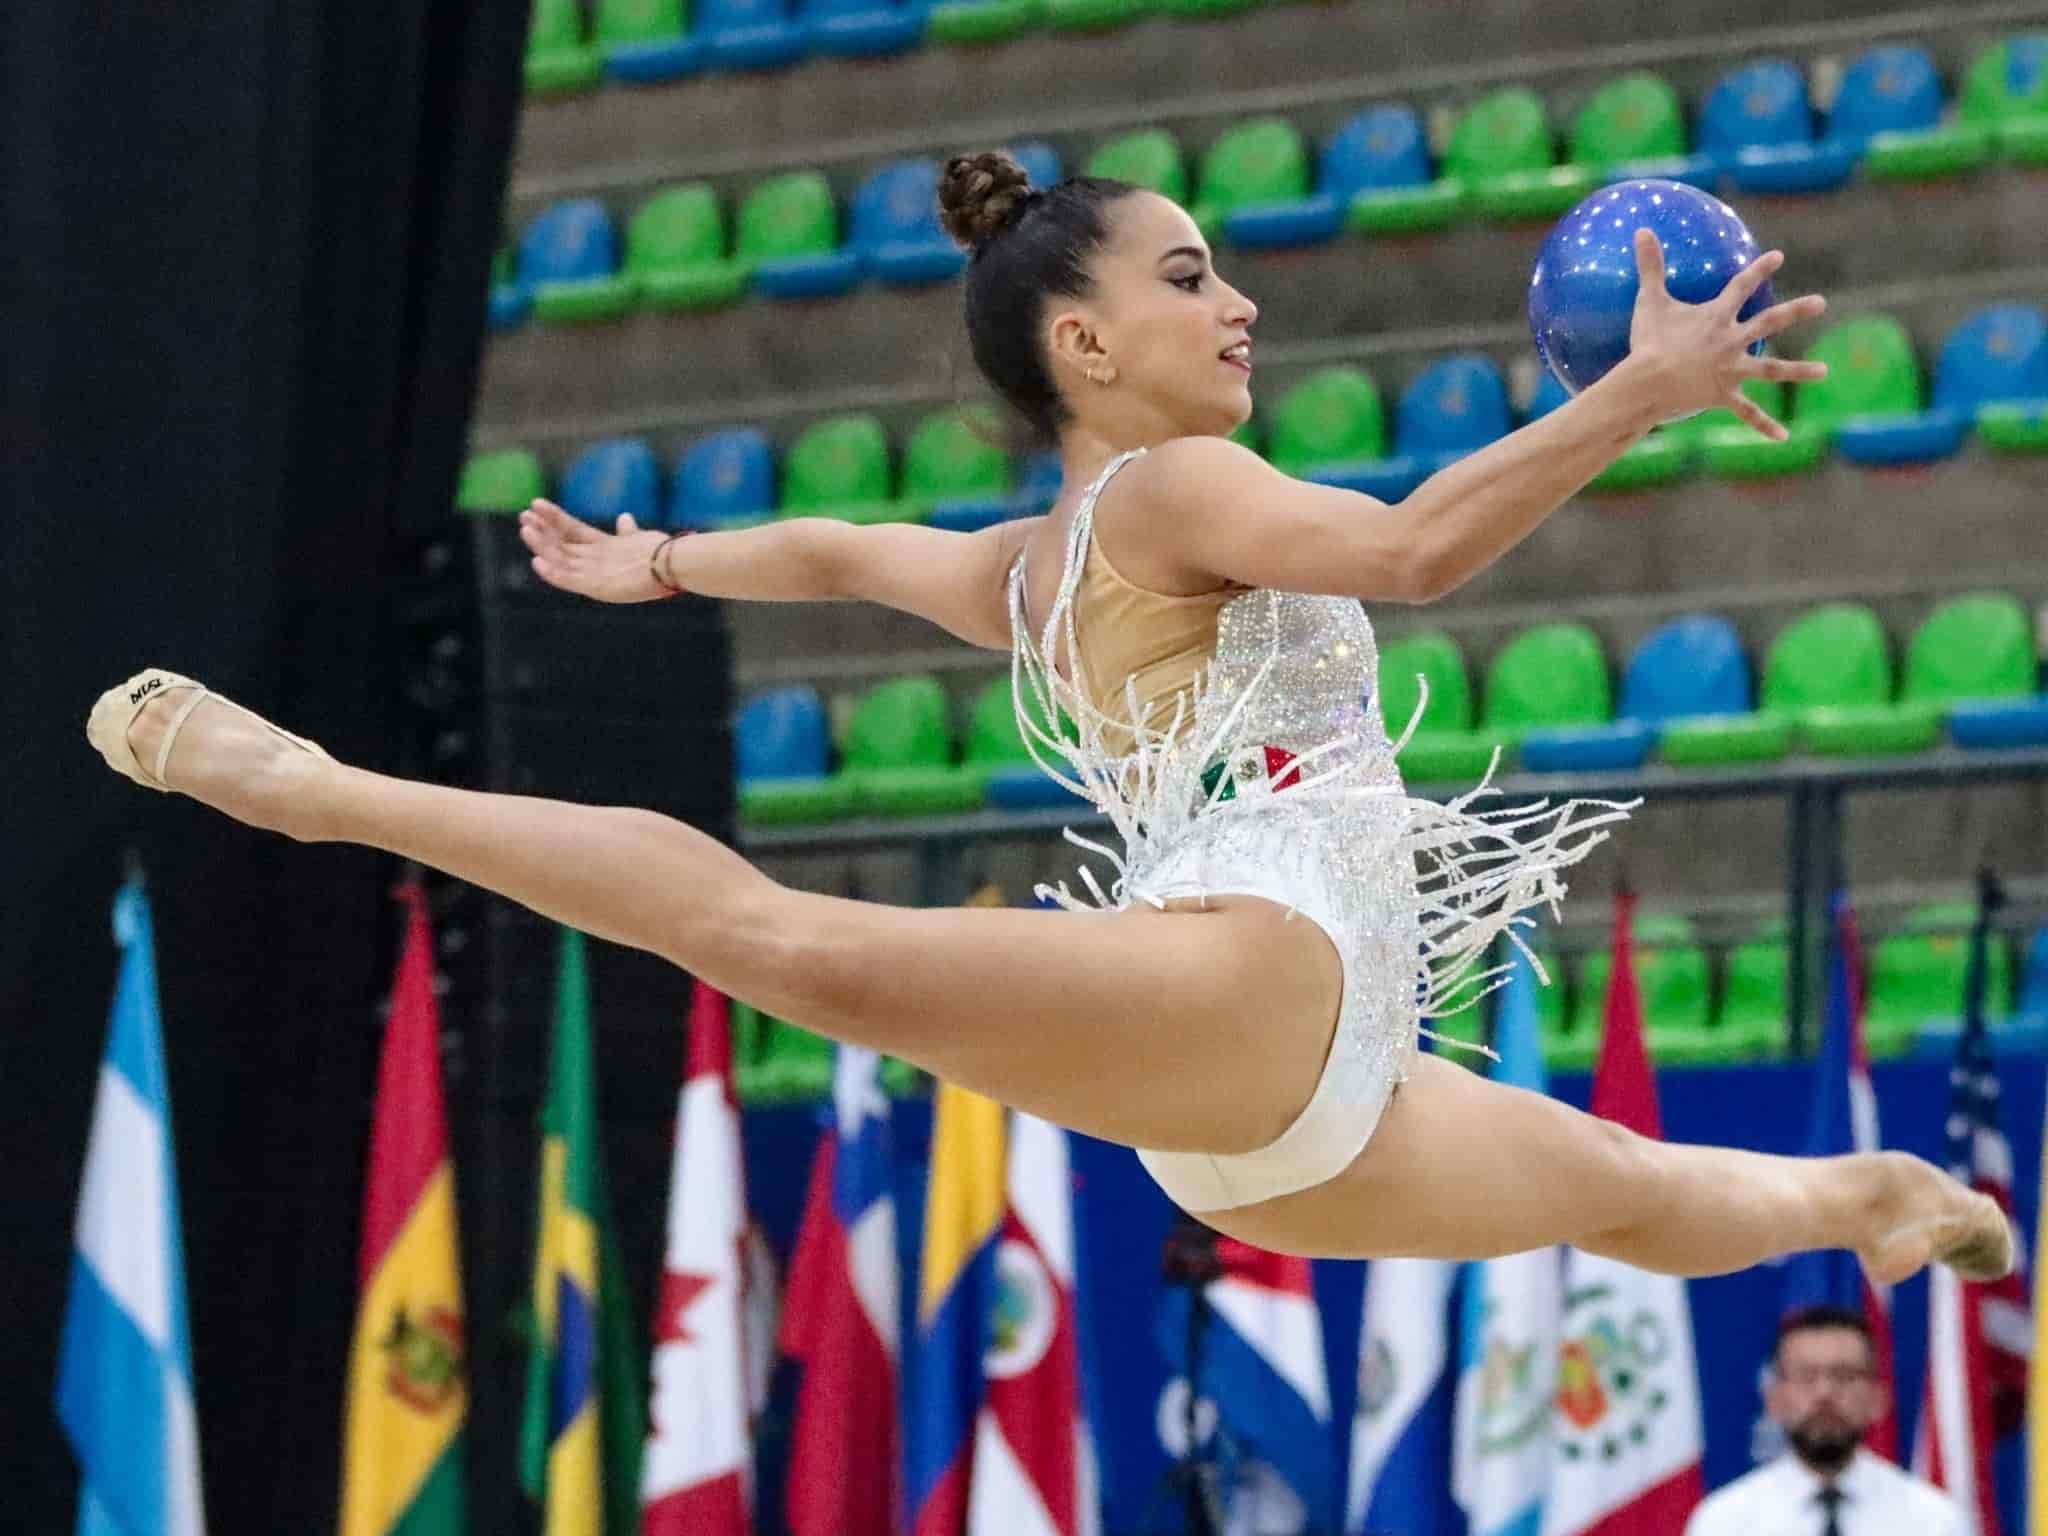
pixel 641 42
pixel 1874 408
pixel 1687 697
pixel 1913 996
pixel 1259 185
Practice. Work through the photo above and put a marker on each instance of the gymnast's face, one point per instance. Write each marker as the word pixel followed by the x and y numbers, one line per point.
pixel 1170 335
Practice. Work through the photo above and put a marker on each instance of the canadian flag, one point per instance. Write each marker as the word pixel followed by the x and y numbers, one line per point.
pixel 1034 1462
pixel 697 1476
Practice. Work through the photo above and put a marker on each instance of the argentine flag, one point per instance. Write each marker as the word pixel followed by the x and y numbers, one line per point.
pixel 124 1371
pixel 1508 1334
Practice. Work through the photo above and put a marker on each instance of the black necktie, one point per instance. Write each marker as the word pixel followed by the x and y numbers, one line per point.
pixel 1830 1504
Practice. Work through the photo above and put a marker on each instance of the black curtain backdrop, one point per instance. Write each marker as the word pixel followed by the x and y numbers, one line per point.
pixel 243 253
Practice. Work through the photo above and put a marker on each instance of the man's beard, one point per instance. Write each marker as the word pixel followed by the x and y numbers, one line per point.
pixel 1825 1444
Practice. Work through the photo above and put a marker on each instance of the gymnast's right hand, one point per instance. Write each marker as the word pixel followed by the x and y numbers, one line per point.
pixel 570 554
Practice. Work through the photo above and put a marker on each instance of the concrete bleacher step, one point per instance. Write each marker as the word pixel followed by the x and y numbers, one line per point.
pixel 934 99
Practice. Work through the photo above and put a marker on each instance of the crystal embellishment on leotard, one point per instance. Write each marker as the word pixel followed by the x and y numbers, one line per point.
pixel 1274 775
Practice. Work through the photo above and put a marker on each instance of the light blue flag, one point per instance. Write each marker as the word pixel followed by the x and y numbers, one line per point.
pixel 124 1369
pixel 1401 1436
pixel 1508 1334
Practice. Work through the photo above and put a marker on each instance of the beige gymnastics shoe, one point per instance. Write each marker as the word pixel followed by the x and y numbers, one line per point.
pixel 107 726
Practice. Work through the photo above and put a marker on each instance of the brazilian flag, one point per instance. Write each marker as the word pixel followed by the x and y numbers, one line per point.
pixel 579 1453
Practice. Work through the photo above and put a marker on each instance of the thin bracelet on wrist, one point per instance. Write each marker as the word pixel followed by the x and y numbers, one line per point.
pixel 657 564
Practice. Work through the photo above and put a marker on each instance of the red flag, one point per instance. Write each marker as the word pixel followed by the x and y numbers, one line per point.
pixel 1033 1459
pixel 839 1318
pixel 1628 1460
pixel 696 1478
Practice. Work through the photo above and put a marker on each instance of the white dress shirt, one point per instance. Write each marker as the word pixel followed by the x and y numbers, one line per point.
pixel 1782 1498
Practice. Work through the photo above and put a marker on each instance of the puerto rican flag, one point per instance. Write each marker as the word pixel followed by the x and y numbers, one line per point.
pixel 1628 1438
pixel 840 1319
pixel 697 1476
pixel 1845 1120
pixel 1264 1373
pixel 1034 1461
pixel 1979 1336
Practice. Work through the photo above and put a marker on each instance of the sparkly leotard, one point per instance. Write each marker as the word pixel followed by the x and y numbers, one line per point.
pixel 1272 775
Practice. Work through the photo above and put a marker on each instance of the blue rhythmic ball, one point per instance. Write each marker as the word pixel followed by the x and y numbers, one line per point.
pixel 1583 291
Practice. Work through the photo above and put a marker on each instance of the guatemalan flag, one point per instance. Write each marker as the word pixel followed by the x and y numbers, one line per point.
pixel 696 1476
pixel 1401 1435
pixel 1844 1119
pixel 1628 1440
pixel 1034 1462
pixel 1978 1335
pixel 1508 1333
pixel 839 1319
pixel 124 1368
pixel 1263 1370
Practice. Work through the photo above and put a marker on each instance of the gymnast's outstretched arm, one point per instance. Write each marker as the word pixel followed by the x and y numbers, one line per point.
pixel 956 580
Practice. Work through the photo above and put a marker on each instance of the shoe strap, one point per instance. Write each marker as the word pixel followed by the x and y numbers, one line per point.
pixel 184 713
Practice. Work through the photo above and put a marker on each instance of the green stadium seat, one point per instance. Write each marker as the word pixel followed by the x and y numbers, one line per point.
pixel 1094 15
pixel 983 21
pixel 1753 995
pixel 787 239
pixel 1729 449
pixel 1200 8
pixel 675 251
pixel 1444 747
pixel 1550 676
pixel 559 58
pixel 1568 1046
pixel 1634 126
pixel 1502 153
pixel 647 41
pixel 1248 436
pixel 1329 422
pixel 505 480
pixel 2005 92
pixel 1872 371
pixel 1149 158
pixel 1831 673
pixel 1917 974
pixel 839 468
pixel 775 1062
pixel 1671 979
pixel 952 462
pixel 899 752
pixel 1979 646
pixel 1262 160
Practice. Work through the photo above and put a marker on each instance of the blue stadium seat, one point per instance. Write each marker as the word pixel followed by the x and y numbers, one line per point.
pixel 1886 90
pixel 896 232
pixel 1758 121
pixel 510 302
pixel 1041 162
pixel 1691 666
pixel 725 480
pixel 608 478
pixel 860 29
pixel 570 249
pixel 2033 998
pixel 1454 406
pixel 1378 150
pixel 1998 356
pixel 748 34
pixel 782 734
pixel 1039 479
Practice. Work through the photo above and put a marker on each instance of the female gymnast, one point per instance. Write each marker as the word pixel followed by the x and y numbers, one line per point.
pixel 1246 1005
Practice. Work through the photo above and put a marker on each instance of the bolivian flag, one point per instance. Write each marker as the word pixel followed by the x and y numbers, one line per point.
pixel 579 1453
pixel 402 1472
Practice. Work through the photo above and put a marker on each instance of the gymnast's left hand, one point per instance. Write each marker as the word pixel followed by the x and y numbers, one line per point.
pixel 571 555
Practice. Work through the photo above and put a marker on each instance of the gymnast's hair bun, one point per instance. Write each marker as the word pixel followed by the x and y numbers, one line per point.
pixel 982 195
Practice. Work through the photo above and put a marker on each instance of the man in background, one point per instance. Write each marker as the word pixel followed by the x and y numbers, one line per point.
pixel 1824 1393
